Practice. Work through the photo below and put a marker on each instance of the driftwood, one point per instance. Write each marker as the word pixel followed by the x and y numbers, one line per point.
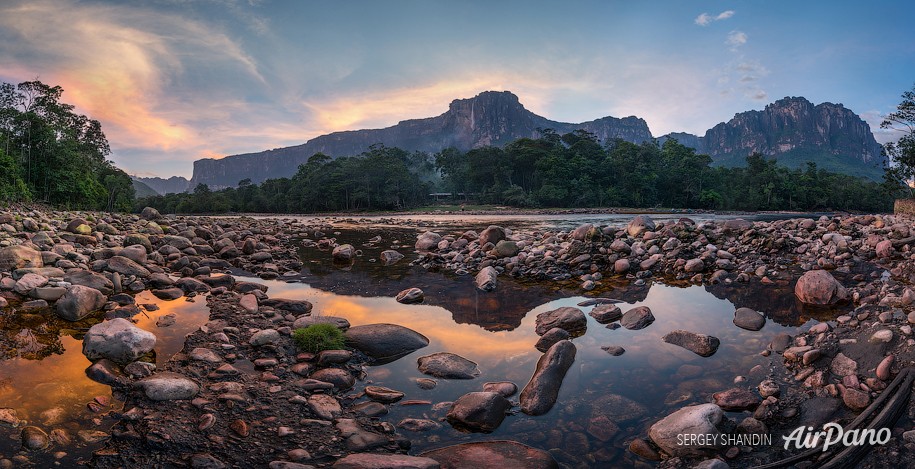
pixel 882 413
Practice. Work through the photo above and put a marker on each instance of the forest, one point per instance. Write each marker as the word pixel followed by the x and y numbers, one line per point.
pixel 51 154
pixel 570 170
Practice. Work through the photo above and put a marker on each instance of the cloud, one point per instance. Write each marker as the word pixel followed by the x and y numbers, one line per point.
pixel 736 39
pixel 705 19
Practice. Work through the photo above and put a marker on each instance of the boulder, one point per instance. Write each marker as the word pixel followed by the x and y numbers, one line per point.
pixel 390 257
pixel 344 253
pixel 493 234
pixel 819 287
pixel 385 342
pixel 551 337
pixel 117 340
pixel 636 318
pixel 410 296
pixel 736 399
pixel 746 318
pixel 486 278
pixel 292 306
pixel 639 225
pixel 125 266
pixel 478 411
pixel 700 419
pixel 305 321
pixel 606 313
pixel 502 454
pixel 29 282
pixel 18 257
pixel 90 279
pixel 168 386
pixel 700 344
pixel 448 366
pixel 150 213
pixel 428 241
pixel 568 318
pixel 78 302
pixel 507 248
pixel 540 393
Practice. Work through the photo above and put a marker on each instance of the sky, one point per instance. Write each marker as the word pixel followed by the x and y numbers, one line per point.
pixel 173 81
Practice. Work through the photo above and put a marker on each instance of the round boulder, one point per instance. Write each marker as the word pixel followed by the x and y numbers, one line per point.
pixel 78 302
pixel 385 342
pixel 819 287
pixel 117 340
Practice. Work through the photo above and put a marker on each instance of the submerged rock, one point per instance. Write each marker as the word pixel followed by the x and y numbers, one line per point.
pixel 636 318
pixel 540 393
pixel 700 344
pixel 495 453
pixel 384 461
pixel 693 420
pixel 751 320
pixel 448 366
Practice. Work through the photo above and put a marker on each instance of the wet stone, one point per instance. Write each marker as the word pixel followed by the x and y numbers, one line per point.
pixel 637 318
pixel 448 366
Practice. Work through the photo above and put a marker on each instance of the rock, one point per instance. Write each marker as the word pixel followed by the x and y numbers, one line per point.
pixel 418 425
pixel 78 302
pixel 478 411
pixel 9 418
pixel 264 337
pixel 636 318
pixel 150 213
pixel 248 303
pixel 90 279
pixel 329 357
pixel 843 366
pixel 639 225
pixel 168 386
pixel 448 366
pixel 737 226
pixel 551 337
pixel 344 253
pixel 881 336
pixel 34 438
pixel 493 234
pixel 132 239
pixel 306 321
pixel 118 340
pixel 613 350
pixel 410 296
pixel 700 344
pixel 204 355
pixel 324 406
pixel 390 257
pixel 340 378
pixel 700 419
pixel 135 252
pixel 884 249
pixel 769 388
pixel 884 369
pixel 540 393
pixel 486 278
pixel 168 294
pixel 125 266
pixel 643 449
pixel 296 307
pixel 694 266
pixel 746 318
pixel 190 284
pixel 505 388
pixel 384 461
pixel 712 464
pixel 780 342
pixel 507 248
pixel 29 282
pixel 855 399
pixel 107 372
pixel 736 399
pixel 621 266
pixel 606 313
pixel 427 241
pixel 494 453
pixel 383 394
pixel 568 318
pixel 819 287
pixel 18 257
pixel 385 342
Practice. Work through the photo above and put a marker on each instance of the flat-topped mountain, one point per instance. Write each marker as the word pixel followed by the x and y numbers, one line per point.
pixel 172 185
pixel 794 131
pixel 791 130
pixel 490 118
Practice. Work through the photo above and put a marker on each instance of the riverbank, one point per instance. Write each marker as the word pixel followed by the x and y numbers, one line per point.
pixel 241 394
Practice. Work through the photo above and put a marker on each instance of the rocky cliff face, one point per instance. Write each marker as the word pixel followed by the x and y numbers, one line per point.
pixel 794 131
pixel 490 118
pixel 172 185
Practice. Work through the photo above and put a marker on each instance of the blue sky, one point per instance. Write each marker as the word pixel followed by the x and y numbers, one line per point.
pixel 177 80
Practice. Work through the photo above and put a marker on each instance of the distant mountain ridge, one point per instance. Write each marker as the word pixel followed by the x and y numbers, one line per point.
pixel 172 185
pixel 792 130
pixel 490 118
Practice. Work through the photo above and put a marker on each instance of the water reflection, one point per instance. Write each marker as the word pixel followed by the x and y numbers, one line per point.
pixel 605 401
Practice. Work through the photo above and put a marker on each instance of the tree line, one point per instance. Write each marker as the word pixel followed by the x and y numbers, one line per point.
pixel 570 170
pixel 51 154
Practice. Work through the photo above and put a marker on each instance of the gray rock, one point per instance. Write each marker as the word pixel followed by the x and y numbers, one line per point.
pixel 390 257
pixel 125 266
pixel 507 248
pixel 118 340
pixel 293 306
pixel 551 337
pixel 478 411
pixel 107 372
pixel 746 318
pixel 486 278
pixel 78 302
pixel 568 318
pixel 636 318
pixel 18 257
pixel 448 366
pixel 385 342
pixel 264 337
pixel 167 386
pixel 540 393
pixel 700 344
pixel 698 420
pixel 639 225
pixel 150 213
pixel 90 279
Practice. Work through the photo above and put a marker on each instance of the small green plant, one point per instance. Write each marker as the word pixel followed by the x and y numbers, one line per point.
pixel 318 337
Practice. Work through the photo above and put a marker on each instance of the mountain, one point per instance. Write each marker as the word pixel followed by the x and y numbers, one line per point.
pixel 794 131
pixel 172 185
pixel 490 118
pixel 142 190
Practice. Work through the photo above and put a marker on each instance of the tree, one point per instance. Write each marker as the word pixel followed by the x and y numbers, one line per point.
pixel 902 152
